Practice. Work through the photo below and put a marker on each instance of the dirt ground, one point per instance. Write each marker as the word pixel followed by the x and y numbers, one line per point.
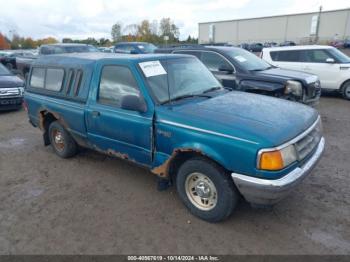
pixel 93 204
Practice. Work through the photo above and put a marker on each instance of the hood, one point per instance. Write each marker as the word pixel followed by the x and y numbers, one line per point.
pixel 10 81
pixel 267 121
pixel 288 75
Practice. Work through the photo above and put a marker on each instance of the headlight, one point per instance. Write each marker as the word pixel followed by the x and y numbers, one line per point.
pixel 277 159
pixel 21 91
pixel 294 88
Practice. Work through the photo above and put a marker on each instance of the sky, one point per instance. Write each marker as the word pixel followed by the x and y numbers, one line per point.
pixel 80 19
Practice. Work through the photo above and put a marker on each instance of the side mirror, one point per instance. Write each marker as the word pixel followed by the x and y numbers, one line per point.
pixel 330 60
pixel 225 68
pixel 133 103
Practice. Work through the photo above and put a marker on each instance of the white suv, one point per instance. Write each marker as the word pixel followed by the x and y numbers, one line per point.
pixel 328 63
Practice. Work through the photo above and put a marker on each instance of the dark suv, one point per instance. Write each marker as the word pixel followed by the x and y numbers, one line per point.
pixel 241 70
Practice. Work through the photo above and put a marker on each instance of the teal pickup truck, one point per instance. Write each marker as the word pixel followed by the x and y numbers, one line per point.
pixel 169 114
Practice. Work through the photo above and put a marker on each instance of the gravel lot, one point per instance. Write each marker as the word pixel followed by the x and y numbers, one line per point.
pixel 93 204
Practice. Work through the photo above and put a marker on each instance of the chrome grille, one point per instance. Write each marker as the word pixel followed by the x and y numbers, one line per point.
pixel 313 90
pixel 9 91
pixel 309 142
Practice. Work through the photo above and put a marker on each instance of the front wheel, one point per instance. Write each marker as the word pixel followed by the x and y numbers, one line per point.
pixel 206 190
pixel 346 90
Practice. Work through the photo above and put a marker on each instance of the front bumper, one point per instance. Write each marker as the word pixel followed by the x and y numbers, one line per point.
pixel 268 192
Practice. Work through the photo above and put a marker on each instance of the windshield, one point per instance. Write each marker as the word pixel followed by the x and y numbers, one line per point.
pixel 147 48
pixel 181 76
pixel 339 56
pixel 4 71
pixel 247 60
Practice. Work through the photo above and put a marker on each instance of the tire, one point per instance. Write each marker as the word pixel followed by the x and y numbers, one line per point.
pixel 61 141
pixel 193 180
pixel 346 90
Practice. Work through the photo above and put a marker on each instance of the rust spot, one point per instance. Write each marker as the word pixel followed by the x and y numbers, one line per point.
pixel 112 152
pixel 44 113
pixel 163 169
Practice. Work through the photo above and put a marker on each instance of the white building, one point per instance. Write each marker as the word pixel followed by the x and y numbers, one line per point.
pixel 300 28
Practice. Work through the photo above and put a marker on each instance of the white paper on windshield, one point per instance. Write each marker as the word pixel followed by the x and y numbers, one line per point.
pixel 152 68
pixel 240 59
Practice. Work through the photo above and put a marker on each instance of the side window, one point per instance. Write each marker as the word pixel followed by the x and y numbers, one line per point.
pixel 317 56
pixel 125 49
pixel 286 56
pixel 38 77
pixel 77 82
pixel 54 79
pixel 116 82
pixel 214 61
pixel 274 56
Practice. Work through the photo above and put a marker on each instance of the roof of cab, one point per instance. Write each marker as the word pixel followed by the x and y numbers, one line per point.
pixel 93 57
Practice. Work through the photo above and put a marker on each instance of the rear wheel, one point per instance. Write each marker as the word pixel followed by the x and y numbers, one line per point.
pixel 61 141
pixel 346 90
pixel 206 190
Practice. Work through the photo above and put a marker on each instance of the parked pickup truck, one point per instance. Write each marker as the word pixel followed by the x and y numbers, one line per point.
pixel 11 90
pixel 241 70
pixel 24 62
pixel 169 114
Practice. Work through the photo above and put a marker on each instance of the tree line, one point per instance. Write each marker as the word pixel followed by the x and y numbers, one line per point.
pixel 159 33
pixel 19 42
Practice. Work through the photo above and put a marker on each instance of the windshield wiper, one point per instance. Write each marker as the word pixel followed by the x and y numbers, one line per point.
pixel 212 89
pixel 184 97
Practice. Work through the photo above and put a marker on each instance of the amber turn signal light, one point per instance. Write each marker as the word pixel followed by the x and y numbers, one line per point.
pixel 271 161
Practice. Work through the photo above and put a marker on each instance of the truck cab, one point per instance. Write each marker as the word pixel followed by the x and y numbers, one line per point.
pixel 169 114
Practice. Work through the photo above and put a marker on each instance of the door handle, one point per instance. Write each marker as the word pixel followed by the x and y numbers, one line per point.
pixel 95 113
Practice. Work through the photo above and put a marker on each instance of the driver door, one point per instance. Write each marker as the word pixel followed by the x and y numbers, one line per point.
pixel 112 129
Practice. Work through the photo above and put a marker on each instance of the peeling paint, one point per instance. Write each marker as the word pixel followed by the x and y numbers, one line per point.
pixel 44 113
pixel 163 169
pixel 114 153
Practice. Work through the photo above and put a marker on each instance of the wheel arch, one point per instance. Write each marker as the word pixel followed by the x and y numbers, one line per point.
pixel 46 117
pixel 343 84
pixel 169 168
